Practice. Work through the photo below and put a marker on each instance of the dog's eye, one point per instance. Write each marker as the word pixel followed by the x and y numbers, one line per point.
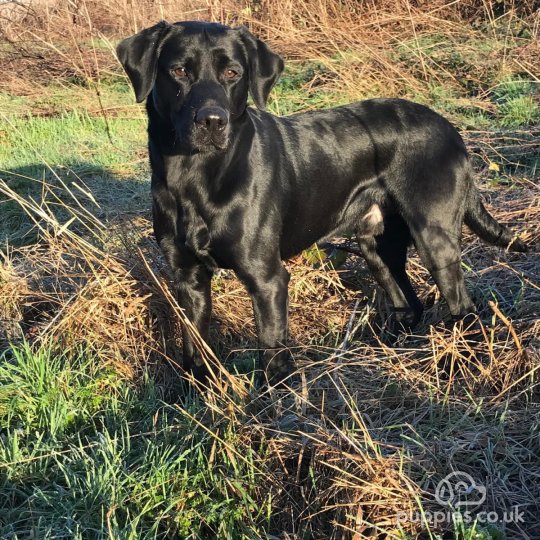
pixel 230 73
pixel 180 72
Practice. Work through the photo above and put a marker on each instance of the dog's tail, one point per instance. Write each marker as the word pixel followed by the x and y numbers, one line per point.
pixel 478 219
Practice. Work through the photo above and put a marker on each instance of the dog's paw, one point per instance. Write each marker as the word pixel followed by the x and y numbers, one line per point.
pixel 405 319
pixel 465 321
pixel 519 246
pixel 278 368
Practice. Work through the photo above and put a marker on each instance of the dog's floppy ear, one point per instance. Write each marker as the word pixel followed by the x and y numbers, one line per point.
pixel 265 67
pixel 139 54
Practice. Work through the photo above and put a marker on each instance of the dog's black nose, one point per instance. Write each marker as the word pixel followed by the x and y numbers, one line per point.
pixel 212 118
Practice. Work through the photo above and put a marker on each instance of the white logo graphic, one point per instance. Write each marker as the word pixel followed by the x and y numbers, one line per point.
pixel 461 497
pixel 459 490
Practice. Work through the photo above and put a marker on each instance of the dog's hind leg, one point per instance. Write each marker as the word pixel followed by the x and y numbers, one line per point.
pixel 386 256
pixel 439 248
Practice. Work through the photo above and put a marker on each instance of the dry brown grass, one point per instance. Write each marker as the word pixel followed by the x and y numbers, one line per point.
pixel 353 40
pixel 377 426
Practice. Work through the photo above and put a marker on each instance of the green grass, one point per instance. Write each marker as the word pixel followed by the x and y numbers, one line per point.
pixel 78 140
pixel 86 454
pixel 73 95
pixel 292 93
pixel 75 143
pixel 87 142
pixel 467 70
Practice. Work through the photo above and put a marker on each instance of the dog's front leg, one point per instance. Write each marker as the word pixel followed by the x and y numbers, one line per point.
pixel 268 290
pixel 194 297
pixel 192 276
pixel 192 285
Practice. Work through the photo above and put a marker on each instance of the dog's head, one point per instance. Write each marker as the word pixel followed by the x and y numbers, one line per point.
pixel 199 75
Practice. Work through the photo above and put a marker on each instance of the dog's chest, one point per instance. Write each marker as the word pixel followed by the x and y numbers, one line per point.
pixel 204 225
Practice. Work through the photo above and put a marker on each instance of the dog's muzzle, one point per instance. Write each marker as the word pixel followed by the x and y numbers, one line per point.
pixel 211 127
pixel 213 119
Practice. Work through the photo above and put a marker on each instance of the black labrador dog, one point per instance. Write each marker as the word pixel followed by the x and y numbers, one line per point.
pixel 236 187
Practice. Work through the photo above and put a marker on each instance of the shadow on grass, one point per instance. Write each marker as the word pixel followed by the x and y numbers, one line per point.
pixel 118 207
pixel 106 193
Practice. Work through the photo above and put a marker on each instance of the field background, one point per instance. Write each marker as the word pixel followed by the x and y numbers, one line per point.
pixel 99 437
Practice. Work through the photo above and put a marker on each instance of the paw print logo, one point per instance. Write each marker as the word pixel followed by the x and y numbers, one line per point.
pixel 459 490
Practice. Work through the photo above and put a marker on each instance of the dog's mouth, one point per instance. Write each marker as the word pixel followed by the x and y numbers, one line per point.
pixel 195 138
pixel 209 142
pixel 202 142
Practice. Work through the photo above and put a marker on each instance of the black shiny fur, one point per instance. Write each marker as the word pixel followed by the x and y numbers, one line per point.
pixel 236 187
